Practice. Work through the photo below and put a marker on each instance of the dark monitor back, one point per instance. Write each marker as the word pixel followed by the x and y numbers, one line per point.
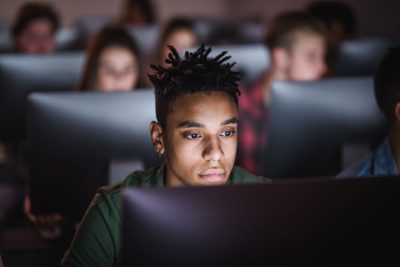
pixel 313 124
pixel 361 57
pixel 74 136
pixel 303 223
pixel 147 39
pixel 21 75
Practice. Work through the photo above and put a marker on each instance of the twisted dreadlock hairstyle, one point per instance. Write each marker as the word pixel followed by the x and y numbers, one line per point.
pixel 195 73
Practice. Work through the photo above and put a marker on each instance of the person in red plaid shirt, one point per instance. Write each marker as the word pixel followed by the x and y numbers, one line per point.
pixel 297 46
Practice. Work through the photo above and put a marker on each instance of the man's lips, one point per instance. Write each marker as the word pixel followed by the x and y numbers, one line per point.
pixel 212 174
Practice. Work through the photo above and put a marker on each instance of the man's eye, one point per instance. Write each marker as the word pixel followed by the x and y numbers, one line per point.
pixel 192 135
pixel 228 133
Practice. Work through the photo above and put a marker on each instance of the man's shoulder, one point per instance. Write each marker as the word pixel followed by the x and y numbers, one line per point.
pixel 361 168
pixel 239 175
pixel 379 162
pixel 140 178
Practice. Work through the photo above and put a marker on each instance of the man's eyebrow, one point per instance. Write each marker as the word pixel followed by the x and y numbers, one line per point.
pixel 193 124
pixel 190 124
pixel 232 120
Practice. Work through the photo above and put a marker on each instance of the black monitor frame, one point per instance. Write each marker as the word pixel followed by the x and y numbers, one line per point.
pixel 294 223
pixel 73 137
pixel 361 57
pixel 311 123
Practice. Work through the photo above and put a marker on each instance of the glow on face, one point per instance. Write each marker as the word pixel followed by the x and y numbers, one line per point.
pixel 307 57
pixel 200 139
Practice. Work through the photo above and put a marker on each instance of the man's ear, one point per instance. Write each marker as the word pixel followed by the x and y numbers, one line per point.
pixel 280 57
pixel 156 133
pixel 397 111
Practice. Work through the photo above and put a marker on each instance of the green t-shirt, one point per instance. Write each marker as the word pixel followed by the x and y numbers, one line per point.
pixel 97 242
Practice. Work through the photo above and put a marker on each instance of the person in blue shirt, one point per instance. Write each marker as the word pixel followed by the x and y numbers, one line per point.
pixel 385 159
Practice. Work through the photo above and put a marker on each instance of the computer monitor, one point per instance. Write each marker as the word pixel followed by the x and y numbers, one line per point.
pixel 361 57
pixel 304 223
pixel 74 136
pixel 21 75
pixel 318 128
pixel 147 39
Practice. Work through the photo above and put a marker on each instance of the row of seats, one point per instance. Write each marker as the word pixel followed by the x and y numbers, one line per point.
pixel 62 71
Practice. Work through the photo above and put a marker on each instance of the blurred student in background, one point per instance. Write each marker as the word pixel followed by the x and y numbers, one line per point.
pixel 179 33
pixel 34 27
pixel 138 13
pixel 297 46
pixel 33 31
pixel 112 62
pixel 340 20
pixel 384 160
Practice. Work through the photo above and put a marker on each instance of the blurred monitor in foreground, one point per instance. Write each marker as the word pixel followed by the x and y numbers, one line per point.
pixel 302 223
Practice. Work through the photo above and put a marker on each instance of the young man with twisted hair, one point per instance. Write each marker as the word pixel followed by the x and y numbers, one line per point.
pixel 195 132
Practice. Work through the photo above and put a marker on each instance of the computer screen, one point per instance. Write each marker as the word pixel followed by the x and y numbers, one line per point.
pixel 361 57
pixel 294 223
pixel 21 75
pixel 316 128
pixel 73 137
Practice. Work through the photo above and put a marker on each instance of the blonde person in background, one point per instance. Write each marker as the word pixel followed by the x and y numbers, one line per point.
pixel 297 45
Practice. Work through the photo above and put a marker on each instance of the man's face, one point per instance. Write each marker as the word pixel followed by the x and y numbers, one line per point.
pixel 37 38
pixel 200 139
pixel 306 58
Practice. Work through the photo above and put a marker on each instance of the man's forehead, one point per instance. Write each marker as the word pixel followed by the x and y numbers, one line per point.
pixel 203 101
pixel 203 108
